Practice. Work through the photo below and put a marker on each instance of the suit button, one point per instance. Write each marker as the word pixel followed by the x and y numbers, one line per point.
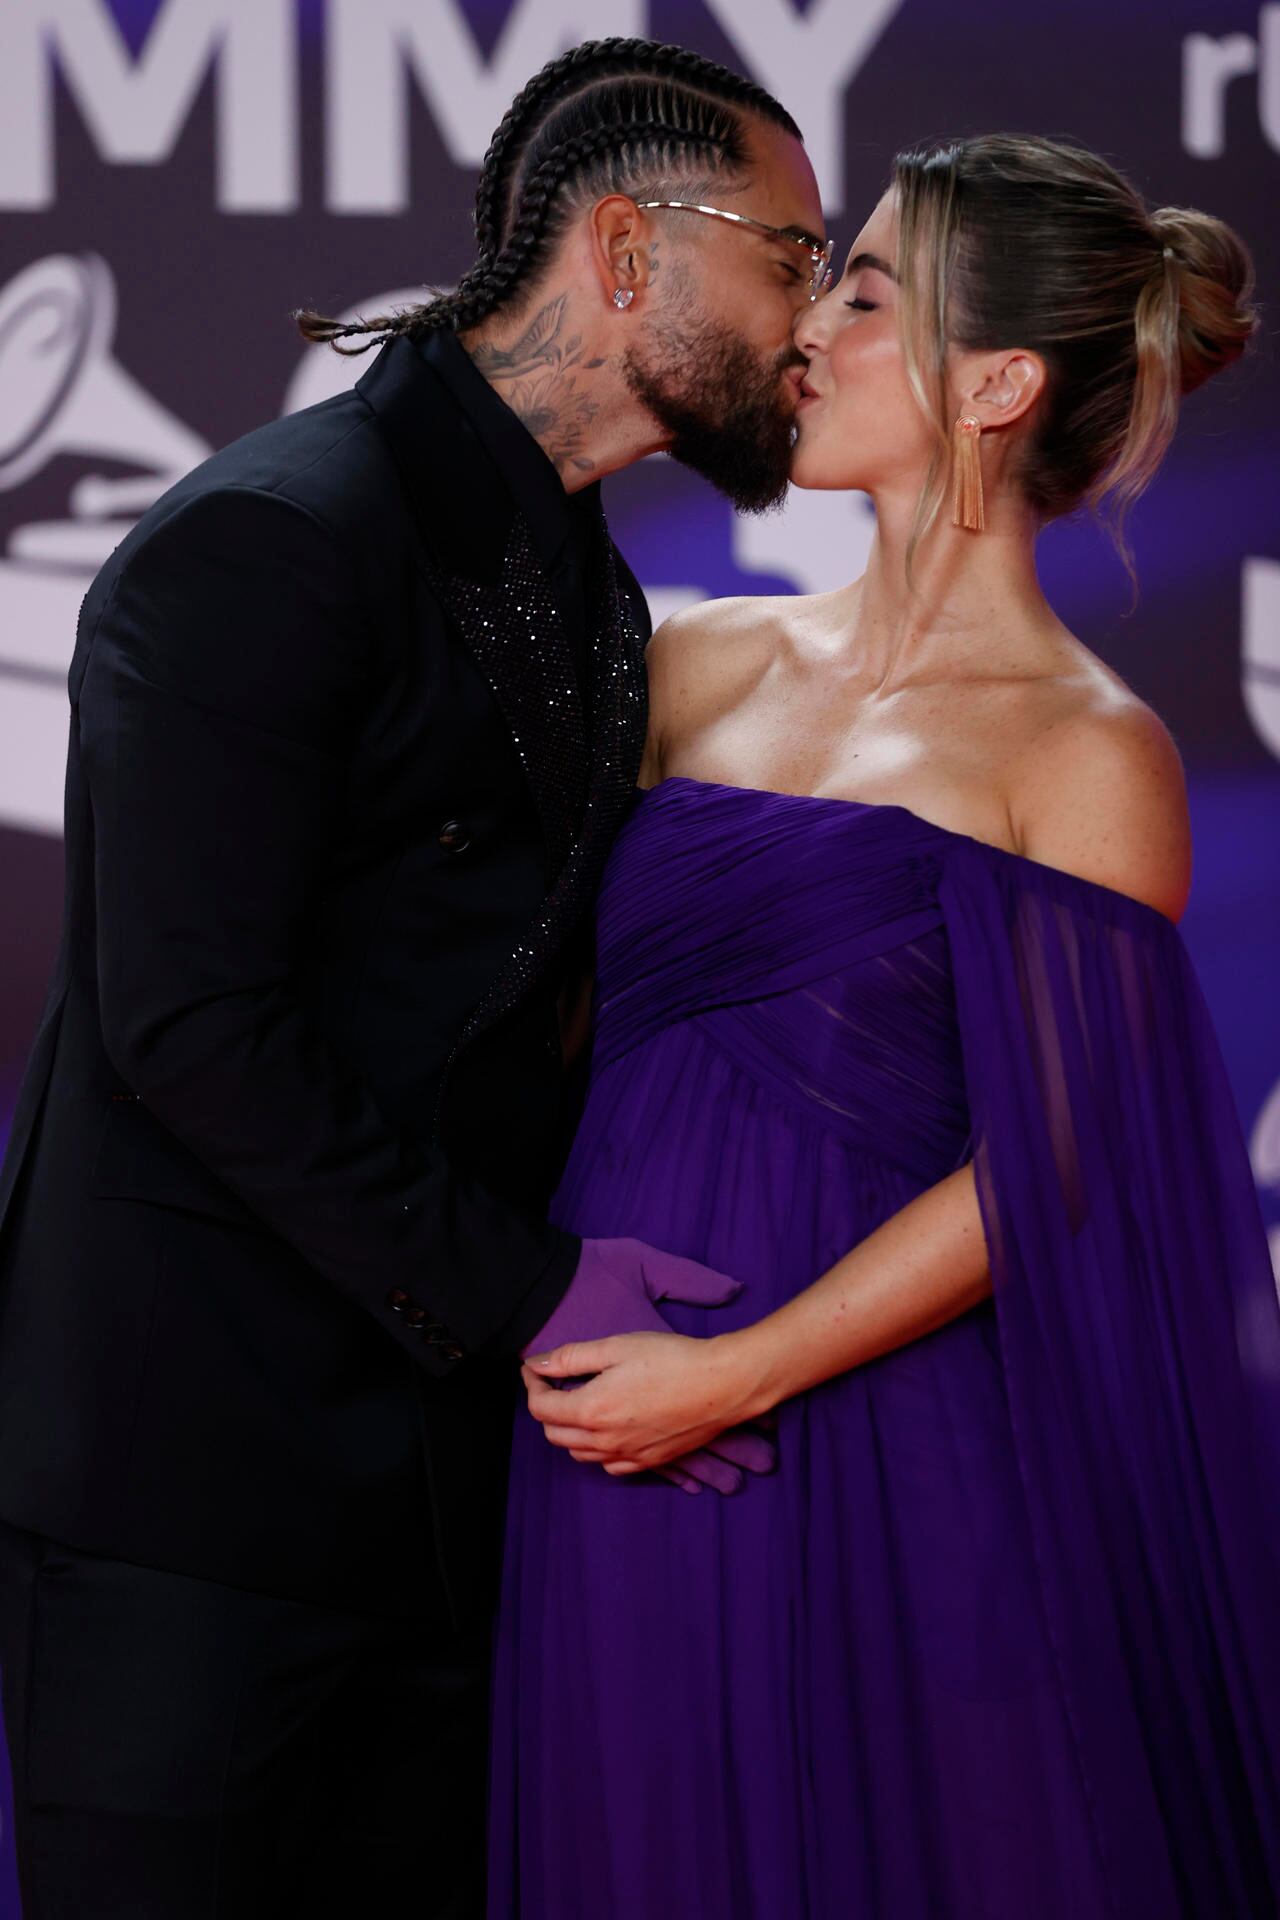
pixel 397 1299
pixel 454 836
pixel 438 1336
pixel 416 1318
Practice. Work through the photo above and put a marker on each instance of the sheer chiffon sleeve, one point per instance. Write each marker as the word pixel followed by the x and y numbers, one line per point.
pixel 1140 1338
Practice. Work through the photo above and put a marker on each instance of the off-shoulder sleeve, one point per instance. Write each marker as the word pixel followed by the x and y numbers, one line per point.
pixel 1140 1334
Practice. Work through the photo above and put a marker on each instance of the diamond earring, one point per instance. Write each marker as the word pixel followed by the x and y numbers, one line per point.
pixel 622 297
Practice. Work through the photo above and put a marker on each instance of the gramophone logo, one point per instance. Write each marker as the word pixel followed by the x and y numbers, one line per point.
pixel 62 393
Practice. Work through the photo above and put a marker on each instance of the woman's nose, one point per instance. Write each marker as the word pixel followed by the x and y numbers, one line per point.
pixel 811 328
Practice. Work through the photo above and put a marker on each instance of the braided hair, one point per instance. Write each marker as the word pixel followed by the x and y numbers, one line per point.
pixel 609 116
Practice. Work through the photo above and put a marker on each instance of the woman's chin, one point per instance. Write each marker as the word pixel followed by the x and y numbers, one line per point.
pixel 813 474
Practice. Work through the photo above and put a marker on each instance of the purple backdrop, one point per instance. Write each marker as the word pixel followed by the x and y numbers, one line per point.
pixel 174 178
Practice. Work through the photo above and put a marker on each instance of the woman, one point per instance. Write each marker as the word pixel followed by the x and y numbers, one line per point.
pixel 892 1024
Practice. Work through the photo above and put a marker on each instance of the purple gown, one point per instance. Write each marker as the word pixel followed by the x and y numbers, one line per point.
pixel 1000 1639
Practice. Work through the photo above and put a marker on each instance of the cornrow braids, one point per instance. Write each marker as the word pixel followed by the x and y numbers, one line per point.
pixel 605 116
pixel 593 61
pixel 528 238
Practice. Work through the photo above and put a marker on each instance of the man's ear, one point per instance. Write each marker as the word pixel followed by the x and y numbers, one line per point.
pixel 620 236
pixel 1002 387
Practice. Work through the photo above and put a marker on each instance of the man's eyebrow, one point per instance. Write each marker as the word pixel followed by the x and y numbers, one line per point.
pixel 874 261
pixel 802 233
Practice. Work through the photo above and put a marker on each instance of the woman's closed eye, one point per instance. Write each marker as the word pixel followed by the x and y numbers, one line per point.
pixel 861 306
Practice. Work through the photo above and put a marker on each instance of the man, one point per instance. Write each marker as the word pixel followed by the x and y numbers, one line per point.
pixel 356 710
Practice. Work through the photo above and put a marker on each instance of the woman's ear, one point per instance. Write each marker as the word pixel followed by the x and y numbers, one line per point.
pixel 1004 387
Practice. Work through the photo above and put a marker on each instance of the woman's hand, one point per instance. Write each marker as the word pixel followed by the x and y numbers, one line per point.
pixel 659 1396
pixel 655 1397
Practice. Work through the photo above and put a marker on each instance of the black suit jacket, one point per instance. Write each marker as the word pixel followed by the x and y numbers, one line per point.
pixel 272 1218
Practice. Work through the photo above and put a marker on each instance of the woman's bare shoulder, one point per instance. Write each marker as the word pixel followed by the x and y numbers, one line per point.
pixel 695 635
pixel 704 658
pixel 1101 792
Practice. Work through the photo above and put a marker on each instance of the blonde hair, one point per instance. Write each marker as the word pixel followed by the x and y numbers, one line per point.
pixel 1015 241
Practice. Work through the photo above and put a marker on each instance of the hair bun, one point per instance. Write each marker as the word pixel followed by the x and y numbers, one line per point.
pixel 1216 314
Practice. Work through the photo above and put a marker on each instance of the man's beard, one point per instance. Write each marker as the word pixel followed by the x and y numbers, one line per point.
pixel 728 411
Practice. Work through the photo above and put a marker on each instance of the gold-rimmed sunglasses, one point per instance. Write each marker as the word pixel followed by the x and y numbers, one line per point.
pixel 819 251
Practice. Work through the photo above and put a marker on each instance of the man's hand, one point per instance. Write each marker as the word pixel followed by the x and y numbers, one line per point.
pixel 614 1293
pixel 655 1398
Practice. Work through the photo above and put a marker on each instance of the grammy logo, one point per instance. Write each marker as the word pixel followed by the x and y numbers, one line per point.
pixel 64 394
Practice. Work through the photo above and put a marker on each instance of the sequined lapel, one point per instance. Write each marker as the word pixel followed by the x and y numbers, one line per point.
pixel 581 773
pixel 514 631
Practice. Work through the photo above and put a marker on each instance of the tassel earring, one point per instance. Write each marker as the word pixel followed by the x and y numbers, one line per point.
pixel 966 493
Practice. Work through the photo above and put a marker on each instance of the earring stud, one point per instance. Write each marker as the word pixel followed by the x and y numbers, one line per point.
pixel 622 297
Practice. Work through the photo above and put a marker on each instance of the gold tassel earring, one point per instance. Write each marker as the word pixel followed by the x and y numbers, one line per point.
pixel 966 493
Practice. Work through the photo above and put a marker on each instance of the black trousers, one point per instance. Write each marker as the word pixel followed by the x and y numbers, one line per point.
pixel 185 1751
